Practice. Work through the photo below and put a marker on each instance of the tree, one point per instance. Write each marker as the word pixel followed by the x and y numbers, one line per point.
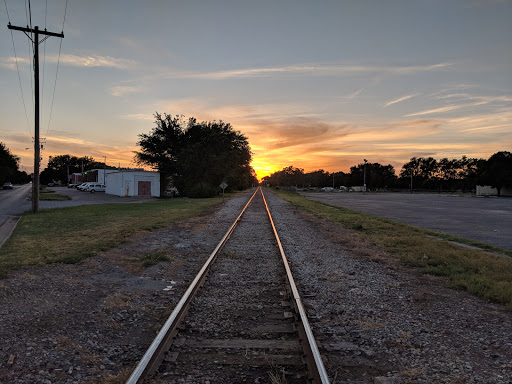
pixel 498 171
pixel 8 165
pixel 198 157
pixel 60 166
pixel 377 175
pixel 212 152
pixel 318 179
pixel 287 177
pixel 160 148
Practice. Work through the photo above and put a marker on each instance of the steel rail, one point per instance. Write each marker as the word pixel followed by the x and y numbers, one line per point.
pixel 315 363
pixel 154 354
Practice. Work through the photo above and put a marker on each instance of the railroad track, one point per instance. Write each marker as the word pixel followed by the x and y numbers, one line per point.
pixel 246 324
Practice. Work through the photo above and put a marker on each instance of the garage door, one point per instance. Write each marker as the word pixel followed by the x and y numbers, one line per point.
pixel 144 188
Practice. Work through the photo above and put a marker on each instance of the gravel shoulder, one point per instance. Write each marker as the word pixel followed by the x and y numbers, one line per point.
pixel 377 320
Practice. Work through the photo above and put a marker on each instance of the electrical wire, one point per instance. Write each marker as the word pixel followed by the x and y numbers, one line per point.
pixel 41 110
pixel 30 52
pixel 57 71
pixel 18 69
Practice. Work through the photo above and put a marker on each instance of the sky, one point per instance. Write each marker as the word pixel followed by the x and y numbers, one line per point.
pixel 317 84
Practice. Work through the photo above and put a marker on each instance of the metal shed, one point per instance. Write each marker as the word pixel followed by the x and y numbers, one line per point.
pixel 133 183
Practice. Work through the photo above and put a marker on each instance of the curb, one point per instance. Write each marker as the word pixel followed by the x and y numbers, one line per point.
pixel 7 228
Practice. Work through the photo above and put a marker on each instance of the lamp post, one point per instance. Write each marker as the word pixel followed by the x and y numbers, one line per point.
pixel 364 176
pixel 104 170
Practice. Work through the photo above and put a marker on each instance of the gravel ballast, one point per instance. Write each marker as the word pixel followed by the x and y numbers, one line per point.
pixel 376 321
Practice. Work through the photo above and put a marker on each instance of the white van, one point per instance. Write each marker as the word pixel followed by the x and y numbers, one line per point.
pixel 94 187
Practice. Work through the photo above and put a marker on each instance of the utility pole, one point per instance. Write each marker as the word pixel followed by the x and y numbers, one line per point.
pixel 364 176
pixel 37 149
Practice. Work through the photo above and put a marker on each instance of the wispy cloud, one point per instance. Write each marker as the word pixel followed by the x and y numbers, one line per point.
pixel 140 116
pixel 122 90
pixel 10 62
pixel 400 99
pixel 93 61
pixel 448 108
pixel 313 69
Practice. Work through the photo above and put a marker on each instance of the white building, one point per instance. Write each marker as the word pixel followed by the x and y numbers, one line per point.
pixel 133 183
pixel 487 190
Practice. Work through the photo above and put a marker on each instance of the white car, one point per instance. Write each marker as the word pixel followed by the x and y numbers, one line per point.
pixel 94 187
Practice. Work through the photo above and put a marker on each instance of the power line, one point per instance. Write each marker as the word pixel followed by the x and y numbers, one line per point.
pixel 44 62
pixel 54 87
pixel 17 68
pixel 57 71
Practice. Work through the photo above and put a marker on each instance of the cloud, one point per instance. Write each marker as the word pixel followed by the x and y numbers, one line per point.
pixel 312 69
pixel 140 116
pixel 400 99
pixel 448 108
pixel 10 62
pixel 93 61
pixel 123 90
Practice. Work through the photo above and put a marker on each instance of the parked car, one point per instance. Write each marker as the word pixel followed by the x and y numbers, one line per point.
pixel 82 186
pixel 94 187
pixel 71 185
pixel 7 185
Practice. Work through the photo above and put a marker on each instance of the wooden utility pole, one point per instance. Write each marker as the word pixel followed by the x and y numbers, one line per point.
pixel 37 147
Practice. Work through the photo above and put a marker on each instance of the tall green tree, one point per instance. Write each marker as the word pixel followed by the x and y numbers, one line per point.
pixel 198 156
pixel 159 149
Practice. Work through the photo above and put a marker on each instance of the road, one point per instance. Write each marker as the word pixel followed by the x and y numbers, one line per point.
pixel 13 202
pixel 488 220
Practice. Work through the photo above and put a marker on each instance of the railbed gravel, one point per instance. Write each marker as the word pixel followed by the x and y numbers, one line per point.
pixel 376 321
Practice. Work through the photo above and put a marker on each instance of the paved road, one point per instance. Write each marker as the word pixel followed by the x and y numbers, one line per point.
pixel 14 201
pixel 488 220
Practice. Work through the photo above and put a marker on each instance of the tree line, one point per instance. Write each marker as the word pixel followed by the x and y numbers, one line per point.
pixel 9 167
pixel 192 157
pixel 420 173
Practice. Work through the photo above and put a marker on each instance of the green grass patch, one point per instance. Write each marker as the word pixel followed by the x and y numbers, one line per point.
pixel 68 235
pixel 51 195
pixel 153 258
pixel 484 272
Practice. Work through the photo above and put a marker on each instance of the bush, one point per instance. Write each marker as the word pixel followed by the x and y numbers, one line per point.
pixel 202 189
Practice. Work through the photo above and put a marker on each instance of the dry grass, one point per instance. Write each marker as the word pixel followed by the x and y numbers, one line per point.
pixel 68 235
pixel 118 301
pixel 483 273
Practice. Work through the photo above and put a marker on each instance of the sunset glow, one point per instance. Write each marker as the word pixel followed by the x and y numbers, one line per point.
pixel 316 86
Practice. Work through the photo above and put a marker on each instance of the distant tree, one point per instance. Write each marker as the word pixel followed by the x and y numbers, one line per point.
pixel 318 179
pixel 423 171
pixel 470 172
pixel 8 165
pixel 287 177
pixel 498 171
pixel 60 166
pixel 377 175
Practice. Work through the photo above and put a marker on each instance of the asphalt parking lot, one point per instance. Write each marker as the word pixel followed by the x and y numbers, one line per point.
pixel 488 220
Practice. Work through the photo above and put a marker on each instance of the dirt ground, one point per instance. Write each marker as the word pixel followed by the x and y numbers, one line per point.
pixel 378 322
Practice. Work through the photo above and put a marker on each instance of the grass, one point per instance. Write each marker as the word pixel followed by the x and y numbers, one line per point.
pixel 153 258
pixel 68 235
pixel 486 273
pixel 49 194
